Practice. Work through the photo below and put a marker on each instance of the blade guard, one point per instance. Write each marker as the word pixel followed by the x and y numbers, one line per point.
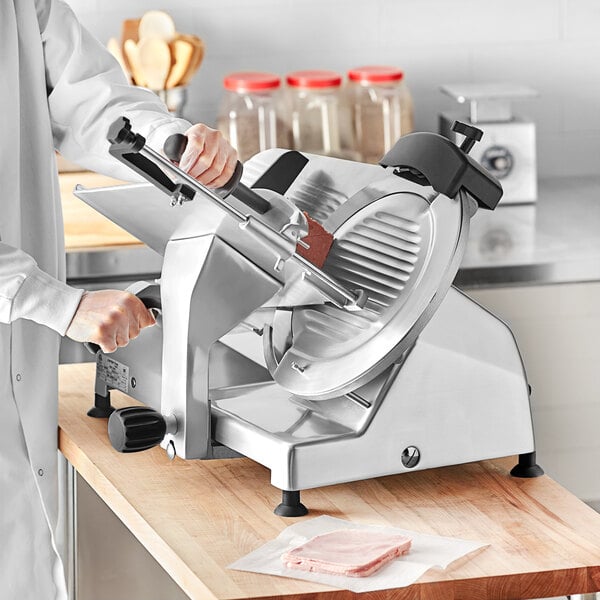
pixel 431 159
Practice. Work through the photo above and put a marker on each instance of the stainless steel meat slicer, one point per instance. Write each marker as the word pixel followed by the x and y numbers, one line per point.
pixel 371 365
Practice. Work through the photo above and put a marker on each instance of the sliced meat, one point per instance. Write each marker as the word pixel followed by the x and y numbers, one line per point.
pixel 350 552
pixel 319 241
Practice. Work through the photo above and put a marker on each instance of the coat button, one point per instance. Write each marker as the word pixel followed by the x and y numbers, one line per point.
pixel 18 377
pixel 41 472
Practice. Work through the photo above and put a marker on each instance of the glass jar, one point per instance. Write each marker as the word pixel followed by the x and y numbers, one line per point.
pixel 381 107
pixel 249 114
pixel 314 111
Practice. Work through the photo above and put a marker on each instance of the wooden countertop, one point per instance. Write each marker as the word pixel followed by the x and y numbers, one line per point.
pixel 86 229
pixel 196 517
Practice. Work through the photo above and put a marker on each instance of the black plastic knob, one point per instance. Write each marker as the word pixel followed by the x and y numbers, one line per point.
pixel 136 428
pixel 472 135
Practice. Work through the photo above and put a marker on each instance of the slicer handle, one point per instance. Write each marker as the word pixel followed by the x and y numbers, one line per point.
pixel 174 148
pixel 152 304
pixel 136 428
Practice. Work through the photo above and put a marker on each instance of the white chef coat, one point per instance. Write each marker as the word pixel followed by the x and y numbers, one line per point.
pixel 59 89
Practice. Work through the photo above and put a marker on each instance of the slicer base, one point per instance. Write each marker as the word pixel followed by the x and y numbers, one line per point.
pixel 460 396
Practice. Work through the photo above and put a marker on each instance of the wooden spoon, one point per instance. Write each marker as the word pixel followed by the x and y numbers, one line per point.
pixel 132 53
pixel 129 31
pixel 155 61
pixel 182 51
pixel 157 24
pixel 196 61
pixel 115 49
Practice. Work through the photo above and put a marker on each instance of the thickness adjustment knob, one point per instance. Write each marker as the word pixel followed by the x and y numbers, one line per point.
pixel 472 135
pixel 136 428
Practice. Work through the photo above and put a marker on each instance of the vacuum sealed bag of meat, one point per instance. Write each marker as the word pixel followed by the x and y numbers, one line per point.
pixel 349 552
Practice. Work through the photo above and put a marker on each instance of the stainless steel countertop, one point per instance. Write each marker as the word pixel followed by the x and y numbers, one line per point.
pixel 112 265
pixel 556 240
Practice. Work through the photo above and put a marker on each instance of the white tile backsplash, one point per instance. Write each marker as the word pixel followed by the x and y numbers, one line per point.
pixel 581 20
pixel 470 22
pixel 551 45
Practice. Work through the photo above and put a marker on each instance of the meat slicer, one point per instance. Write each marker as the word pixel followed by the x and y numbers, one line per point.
pixel 371 365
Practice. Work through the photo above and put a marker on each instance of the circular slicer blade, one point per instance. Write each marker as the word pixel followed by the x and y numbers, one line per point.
pixel 403 250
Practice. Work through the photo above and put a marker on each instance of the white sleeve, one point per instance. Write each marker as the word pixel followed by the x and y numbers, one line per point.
pixel 87 91
pixel 27 292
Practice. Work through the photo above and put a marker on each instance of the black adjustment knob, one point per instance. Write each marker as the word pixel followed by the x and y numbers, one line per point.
pixel 136 428
pixel 472 135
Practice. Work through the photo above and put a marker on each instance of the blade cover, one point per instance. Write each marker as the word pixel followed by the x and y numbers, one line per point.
pixel 402 244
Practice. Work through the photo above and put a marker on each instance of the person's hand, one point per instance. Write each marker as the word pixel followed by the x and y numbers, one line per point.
pixel 109 318
pixel 208 157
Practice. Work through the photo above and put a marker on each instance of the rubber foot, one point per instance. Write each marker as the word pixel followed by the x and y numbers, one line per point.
pixel 290 505
pixel 527 467
pixel 100 412
pixel 102 408
pixel 532 471
pixel 288 510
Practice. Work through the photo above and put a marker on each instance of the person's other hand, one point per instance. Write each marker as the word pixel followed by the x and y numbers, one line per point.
pixel 208 157
pixel 109 318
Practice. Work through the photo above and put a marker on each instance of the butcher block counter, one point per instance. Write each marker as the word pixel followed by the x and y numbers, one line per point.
pixel 197 517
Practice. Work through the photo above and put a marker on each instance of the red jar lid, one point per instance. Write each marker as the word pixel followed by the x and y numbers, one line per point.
pixel 375 74
pixel 314 79
pixel 251 81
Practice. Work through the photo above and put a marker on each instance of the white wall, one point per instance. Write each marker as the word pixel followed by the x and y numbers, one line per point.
pixel 552 45
pixel 557 328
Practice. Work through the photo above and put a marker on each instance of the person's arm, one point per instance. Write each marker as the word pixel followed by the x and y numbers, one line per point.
pixel 27 292
pixel 87 91
pixel 109 318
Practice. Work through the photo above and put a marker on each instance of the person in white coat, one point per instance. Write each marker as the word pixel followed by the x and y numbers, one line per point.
pixel 60 90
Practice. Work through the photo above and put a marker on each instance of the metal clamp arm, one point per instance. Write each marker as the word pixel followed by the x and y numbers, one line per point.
pixel 131 149
pixel 126 146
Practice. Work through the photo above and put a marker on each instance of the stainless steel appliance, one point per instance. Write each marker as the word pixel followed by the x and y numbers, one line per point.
pixel 509 149
pixel 370 366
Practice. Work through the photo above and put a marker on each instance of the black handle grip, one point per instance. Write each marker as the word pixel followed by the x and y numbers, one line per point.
pixel 174 148
pixel 136 428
